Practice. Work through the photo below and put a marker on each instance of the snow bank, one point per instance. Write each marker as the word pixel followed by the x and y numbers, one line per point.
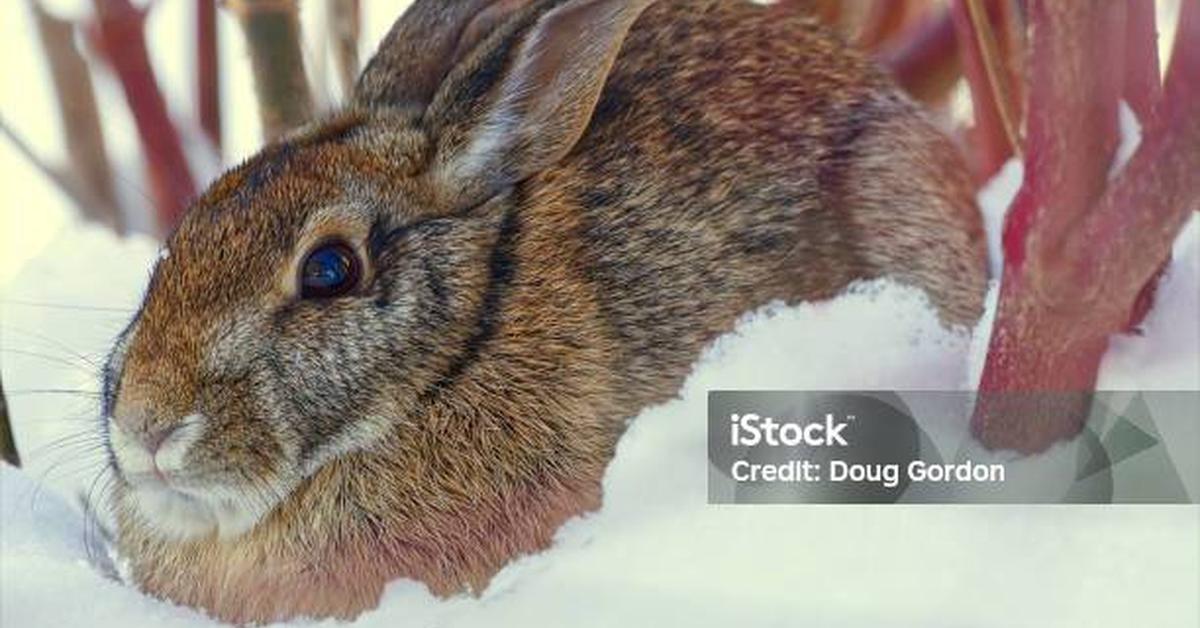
pixel 657 554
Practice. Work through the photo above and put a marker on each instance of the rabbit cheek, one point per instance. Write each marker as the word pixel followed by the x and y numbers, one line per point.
pixel 242 460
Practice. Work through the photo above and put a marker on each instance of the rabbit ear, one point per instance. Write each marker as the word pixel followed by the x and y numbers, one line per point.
pixel 522 100
pixel 423 46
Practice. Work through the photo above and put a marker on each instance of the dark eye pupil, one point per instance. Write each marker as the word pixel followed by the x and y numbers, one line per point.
pixel 329 271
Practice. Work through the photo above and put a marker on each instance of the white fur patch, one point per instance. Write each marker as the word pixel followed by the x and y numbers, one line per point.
pixel 184 510
pixel 188 513
pixel 172 513
pixel 172 452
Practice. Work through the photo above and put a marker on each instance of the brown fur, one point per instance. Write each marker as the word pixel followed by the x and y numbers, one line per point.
pixel 737 155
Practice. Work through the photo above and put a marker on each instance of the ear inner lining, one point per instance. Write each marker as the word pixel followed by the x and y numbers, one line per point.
pixel 523 98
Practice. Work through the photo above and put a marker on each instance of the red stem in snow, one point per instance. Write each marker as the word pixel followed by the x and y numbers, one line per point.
pixel 1076 56
pixel 118 32
pixel 1078 250
pixel 1142 91
pixel 1150 201
pixel 208 78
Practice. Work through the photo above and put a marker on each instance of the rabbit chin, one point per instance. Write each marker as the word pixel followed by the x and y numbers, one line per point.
pixel 185 516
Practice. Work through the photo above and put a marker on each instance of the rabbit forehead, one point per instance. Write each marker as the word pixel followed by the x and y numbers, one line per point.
pixel 246 228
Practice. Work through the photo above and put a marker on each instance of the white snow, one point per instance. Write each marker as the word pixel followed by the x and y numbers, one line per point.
pixel 657 553
pixel 1129 137
pixel 995 197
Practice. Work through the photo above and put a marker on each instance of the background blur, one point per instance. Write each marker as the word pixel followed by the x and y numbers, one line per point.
pixel 33 209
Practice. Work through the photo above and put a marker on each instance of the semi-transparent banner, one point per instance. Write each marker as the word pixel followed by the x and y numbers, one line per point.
pixel 854 447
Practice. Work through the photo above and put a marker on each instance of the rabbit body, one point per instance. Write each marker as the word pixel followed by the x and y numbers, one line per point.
pixel 519 300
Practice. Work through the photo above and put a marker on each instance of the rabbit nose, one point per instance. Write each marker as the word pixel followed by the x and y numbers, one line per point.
pixel 154 437
pixel 143 429
pixel 143 446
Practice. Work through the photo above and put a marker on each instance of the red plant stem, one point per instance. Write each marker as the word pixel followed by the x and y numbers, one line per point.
pixel 1076 56
pixel 208 78
pixel 1141 215
pixel 1150 201
pixel 119 33
pixel 883 19
pixel 925 62
pixel 1008 19
pixel 993 136
pixel 1077 250
pixel 1142 91
pixel 1142 85
pixel 1184 71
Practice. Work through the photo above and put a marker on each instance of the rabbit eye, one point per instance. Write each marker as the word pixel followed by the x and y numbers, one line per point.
pixel 331 270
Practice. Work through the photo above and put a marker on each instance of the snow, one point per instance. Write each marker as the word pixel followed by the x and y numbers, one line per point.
pixel 995 197
pixel 1129 137
pixel 657 553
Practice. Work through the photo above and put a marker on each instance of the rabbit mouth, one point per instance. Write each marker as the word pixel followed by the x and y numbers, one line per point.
pixel 171 513
pixel 183 513
pixel 180 499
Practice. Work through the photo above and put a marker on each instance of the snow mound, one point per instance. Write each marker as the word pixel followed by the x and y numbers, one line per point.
pixel 657 553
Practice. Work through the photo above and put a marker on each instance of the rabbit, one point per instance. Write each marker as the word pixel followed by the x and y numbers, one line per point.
pixel 403 340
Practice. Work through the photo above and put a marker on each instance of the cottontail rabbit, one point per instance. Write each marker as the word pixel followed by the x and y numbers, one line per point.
pixel 404 341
